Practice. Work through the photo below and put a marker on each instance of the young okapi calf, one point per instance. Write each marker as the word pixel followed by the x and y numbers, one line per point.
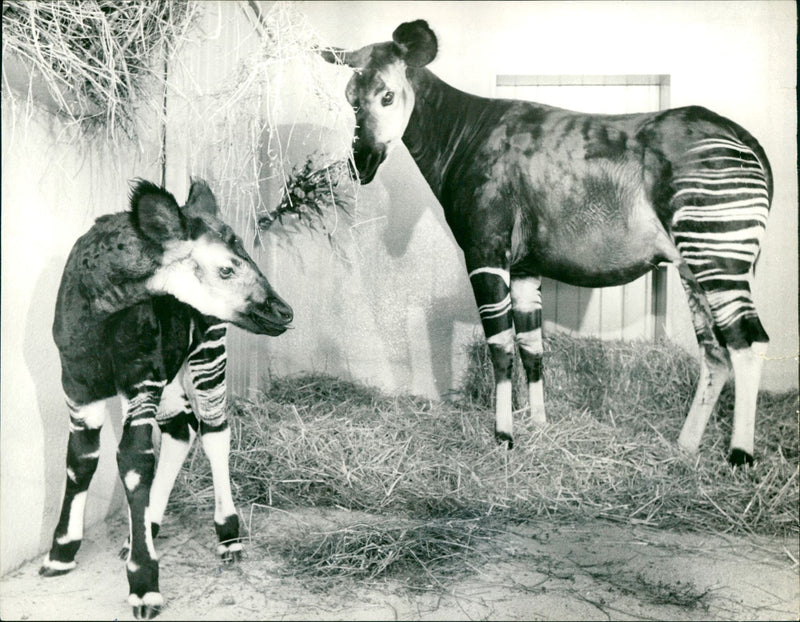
pixel 594 200
pixel 140 314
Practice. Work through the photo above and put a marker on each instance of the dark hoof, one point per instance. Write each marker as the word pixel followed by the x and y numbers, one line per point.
pixel 146 612
pixel 739 457
pixel 231 557
pixel 46 571
pixel 502 437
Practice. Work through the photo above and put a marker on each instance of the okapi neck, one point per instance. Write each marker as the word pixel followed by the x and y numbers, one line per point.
pixel 446 128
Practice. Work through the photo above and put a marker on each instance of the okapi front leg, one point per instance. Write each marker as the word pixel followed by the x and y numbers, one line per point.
pixel 491 286
pixel 205 384
pixel 83 453
pixel 216 444
pixel 526 299
pixel 136 462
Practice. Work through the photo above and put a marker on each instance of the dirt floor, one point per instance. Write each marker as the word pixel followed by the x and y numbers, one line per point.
pixel 541 571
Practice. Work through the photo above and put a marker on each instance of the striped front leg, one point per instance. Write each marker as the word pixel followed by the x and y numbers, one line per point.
pixel 206 387
pixel 83 453
pixel 491 285
pixel 136 463
pixel 526 300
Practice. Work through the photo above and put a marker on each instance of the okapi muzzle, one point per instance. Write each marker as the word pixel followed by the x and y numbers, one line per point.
pixel 266 314
pixel 368 155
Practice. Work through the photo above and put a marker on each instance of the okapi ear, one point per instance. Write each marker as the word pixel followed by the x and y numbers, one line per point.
pixel 155 213
pixel 201 201
pixel 417 42
pixel 355 59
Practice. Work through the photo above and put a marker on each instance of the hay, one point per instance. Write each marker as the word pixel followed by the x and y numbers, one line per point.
pixel 609 452
pixel 311 195
pixel 98 60
pixel 419 553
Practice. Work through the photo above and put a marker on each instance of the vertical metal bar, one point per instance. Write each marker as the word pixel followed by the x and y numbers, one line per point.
pixel 659 291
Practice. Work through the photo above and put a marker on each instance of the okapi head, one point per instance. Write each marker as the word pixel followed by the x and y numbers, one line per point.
pixel 380 91
pixel 203 262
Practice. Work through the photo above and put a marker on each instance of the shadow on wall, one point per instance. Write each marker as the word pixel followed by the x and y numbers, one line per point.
pixel 42 360
pixel 416 226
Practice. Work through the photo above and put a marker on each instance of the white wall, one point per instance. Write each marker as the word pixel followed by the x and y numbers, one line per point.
pixel 737 58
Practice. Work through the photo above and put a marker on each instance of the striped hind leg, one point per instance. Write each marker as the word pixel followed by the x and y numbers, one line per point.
pixel 714 365
pixel 491 285
pixel 526 300
pixel 178 429
pixel 83 454
pixel 205 384
pixel 721 207
pixel 136 462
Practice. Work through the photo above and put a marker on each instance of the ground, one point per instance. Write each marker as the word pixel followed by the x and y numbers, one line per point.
pixel 542 571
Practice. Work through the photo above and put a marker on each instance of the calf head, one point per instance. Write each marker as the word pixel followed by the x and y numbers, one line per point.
pixel 203 262
pixel 380 92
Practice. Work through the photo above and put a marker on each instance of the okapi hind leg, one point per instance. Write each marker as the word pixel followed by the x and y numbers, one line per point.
pixel 526 300
pixel 178 429
pixel 83 454
pixel 714 366
pixel 136 463
pixel 491 286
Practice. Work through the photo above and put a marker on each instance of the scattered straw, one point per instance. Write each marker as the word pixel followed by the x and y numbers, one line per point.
pixel 418 552
pixel 609 452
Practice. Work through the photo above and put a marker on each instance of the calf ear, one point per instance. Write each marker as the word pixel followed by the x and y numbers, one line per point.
pixel 201 201
pixel 417 42
pixel 155 213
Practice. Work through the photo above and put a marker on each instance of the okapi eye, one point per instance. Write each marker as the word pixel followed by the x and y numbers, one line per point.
pixel 388 99
pixel 225 272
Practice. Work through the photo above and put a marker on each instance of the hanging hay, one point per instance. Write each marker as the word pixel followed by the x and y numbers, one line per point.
pixel 319 441
pixel 312 194
pixel 260 113
pixel 98 60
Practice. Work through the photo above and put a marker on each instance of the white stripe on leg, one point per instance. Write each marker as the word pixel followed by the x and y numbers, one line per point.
pixel 217 448
pixel 173 453
pixel 503 417
pixel 747 364
pixel 536 399
pixel 705 398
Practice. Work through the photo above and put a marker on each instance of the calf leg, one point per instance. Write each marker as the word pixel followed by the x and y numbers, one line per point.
pixel 136 462
pixel 526 300
pixel 83 453
pixel 178 429
pixel 491 285
pixel 216 443
pixel 205 384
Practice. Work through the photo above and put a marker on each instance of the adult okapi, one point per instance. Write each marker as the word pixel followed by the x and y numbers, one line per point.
pixel 140 314
pixel 594 200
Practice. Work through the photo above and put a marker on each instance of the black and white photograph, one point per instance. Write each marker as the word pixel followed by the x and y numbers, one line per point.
pixel 360 310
